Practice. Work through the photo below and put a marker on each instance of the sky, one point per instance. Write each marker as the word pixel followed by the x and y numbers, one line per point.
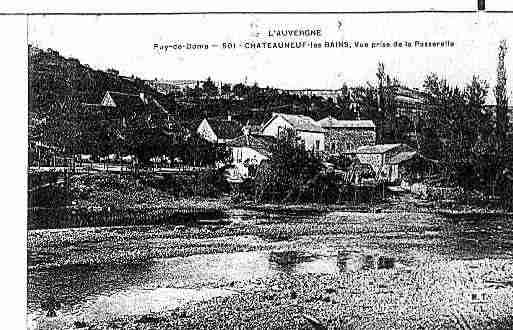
pixel 126 43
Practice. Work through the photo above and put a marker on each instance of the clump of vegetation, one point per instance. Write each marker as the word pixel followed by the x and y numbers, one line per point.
pixel 290 170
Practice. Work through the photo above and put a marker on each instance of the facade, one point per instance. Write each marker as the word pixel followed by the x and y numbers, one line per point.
pixel 248 151
pixel 173 86
pixel 307 129
pixel 219 130
pixel 411 103
pixel 345 135
pixel 324 93
pixel 379 156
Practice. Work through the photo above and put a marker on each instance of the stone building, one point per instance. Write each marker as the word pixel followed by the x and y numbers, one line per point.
pixel 379 156
pixel 345 135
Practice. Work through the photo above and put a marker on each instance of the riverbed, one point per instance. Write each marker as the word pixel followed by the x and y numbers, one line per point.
pixel 109 277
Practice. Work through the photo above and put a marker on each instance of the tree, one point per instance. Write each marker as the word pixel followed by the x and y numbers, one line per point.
pixel 209 88
pixel 344 103
pixel 240 90
pixel 501 97
pixel 290 167
pixel 226 89
pixel 455 124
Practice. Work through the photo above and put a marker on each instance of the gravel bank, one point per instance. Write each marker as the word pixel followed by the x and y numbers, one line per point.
pixel 459 294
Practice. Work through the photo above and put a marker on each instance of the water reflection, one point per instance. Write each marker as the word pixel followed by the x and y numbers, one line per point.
pixel 351 262
pixel 93 292
pixel 344 261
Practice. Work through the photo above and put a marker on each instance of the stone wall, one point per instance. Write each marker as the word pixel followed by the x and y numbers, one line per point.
pixel 374 160
pixel 340 140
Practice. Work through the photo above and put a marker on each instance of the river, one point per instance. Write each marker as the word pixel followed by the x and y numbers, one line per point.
pixel 91 292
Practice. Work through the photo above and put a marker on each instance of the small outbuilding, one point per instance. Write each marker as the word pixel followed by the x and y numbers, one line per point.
pixel 410 166
pixel 248 151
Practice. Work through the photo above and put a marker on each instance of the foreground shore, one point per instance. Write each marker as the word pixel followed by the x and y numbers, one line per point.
pixel 455 295
pixel 445 274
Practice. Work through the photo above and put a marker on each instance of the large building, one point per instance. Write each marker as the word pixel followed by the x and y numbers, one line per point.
pixel 344 135
pixel 324 93
pixel 411 103
pixel 307 129
pixel 173 86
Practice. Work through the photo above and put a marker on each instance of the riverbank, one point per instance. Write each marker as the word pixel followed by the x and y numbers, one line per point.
pixel 404 203
pixel 395 269
pixel 170 212
pixel 449 295
pixel 100 199
pixel 92 200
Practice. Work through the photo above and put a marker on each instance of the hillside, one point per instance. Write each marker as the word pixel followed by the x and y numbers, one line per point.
pixel 59 86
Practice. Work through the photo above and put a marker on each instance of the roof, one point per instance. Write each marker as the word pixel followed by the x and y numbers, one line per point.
pixel 298 122
pixel 125 99
pixel 404 156
pixel 132 102
pixel 330 122
pixel 377 149
pixel 224 128
pixel 260 143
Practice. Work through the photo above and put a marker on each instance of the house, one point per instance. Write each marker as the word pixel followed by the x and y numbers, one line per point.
pixel 379 156
pixel 345 135
pixel 219 130
pixel 248 151
pixel 307 129
pixel 139 109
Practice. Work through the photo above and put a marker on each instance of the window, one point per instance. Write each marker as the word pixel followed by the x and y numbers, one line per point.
pixel 317 145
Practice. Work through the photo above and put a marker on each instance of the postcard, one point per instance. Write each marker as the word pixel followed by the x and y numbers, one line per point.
pixel 270 170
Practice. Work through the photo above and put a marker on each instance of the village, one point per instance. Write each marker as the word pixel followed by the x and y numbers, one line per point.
pixel 346 149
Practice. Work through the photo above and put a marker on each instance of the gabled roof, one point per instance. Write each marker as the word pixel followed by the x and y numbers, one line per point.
pixel 125 100
pixel 378 148
pixel 298 122
pixel 260 143
pixel 224 128
pixel 132 102
pixel 330 122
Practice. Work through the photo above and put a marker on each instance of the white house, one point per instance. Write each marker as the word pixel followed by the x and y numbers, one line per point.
pixel 307 129
pixel 248 151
